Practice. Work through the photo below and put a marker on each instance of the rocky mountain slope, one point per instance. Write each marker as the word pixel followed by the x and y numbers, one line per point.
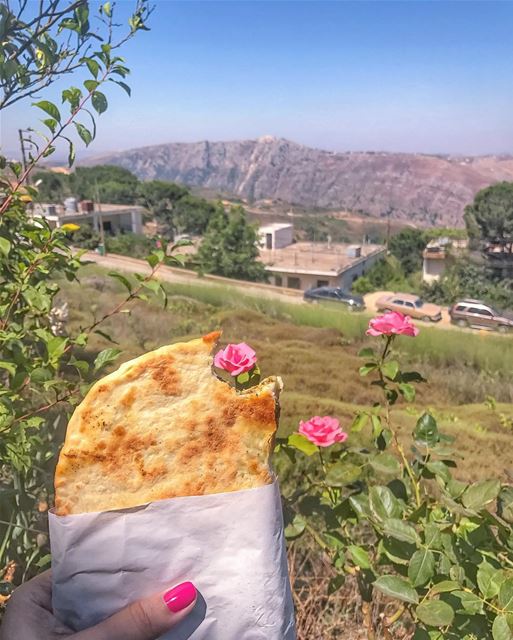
pixel 430 190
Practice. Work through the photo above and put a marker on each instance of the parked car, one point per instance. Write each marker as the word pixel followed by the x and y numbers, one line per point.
pixel 477 314
pixel 335 294
pixel 410 305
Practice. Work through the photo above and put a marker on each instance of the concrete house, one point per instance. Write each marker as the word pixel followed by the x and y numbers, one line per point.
pixel 302 265
pixel 115 218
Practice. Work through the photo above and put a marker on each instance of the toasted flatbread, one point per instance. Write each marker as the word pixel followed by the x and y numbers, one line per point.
pixel 161 426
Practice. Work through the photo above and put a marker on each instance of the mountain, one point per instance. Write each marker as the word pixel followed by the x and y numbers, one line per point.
pixel 427 189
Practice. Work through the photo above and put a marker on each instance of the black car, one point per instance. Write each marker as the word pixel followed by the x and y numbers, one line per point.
pixel 335 294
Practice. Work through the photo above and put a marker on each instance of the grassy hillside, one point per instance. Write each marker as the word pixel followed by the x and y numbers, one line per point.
pixel 315 350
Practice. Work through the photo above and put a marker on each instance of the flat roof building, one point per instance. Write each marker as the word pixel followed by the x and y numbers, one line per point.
pixel 303 265
pixel 115 218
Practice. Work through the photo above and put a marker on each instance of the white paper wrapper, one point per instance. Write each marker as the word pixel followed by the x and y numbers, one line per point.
pixel 230 545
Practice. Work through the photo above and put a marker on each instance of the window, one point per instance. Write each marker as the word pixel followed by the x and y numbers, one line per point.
pixel 278 281
pixel 293 283
pixel 268 240
pixel 398 301
pixel 480 312
pixel 461 307
pixel 418 303
pixel 410 305
pixel 322 283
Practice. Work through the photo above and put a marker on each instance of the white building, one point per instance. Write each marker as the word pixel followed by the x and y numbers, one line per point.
pixel 437 255
pixel 276 235
pixel 304 265
pixel 115 218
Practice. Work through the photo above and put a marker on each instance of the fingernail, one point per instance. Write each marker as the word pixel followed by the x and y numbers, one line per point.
pixel 180 596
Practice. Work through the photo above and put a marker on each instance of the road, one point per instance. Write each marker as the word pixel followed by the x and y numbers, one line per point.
pixel 170 274
pixel 183 276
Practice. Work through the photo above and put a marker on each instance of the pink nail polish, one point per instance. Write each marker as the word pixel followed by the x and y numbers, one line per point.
pixel 180 596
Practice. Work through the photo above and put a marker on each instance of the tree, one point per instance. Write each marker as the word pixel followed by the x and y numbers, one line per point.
pixel 490 216
pixel 192 214
pixel 43 371
pixel 229 247
pixel 159 197
pixel 407 246
pixel 40 47
pixel 52 187
pixel 106 182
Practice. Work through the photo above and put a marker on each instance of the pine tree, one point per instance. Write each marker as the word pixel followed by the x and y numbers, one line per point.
pixel 229 247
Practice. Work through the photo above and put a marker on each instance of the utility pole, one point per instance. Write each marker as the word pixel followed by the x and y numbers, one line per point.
pixel 102 230
pixel 388 227
pixel 22 145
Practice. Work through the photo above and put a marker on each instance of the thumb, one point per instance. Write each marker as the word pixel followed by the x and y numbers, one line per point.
pixel 145 619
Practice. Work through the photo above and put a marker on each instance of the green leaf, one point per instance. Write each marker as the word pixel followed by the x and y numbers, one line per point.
pixel 386 463
pixel 342 473
pixel 390 369
pixel 422 567
pixel 367 368
pixel 407 391
pixel 432 536
pixel 397 587
pixel 486 581
pixel 99 102
pixel 91 85
pixel 367 352
pixel 335 583
pixel 500 629
pixel 44 561
pixel 469 601
pixel 8 366
pixel 440 469
pixel 93 66
pixel 124 281
pixel 401 530
pixel 506 595
pixel 5 246
pixel 426 431
pixel 505 504
pixel 84 133
pixel 107 10
pixel 123 85
pixel 435 613
pixel 55 347
pixel 104 357
pixel 383 503
pixel 301 443
pixel 50 123
pixel 49 108
pixel 444 587
pixel 71 154
pixel 295 528
pixel 478 495
pixel 359 422
pixel 359 556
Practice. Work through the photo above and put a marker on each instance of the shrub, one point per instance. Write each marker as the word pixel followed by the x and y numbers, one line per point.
pixel 439 550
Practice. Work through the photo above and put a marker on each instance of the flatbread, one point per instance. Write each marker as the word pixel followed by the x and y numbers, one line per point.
pixel 161 426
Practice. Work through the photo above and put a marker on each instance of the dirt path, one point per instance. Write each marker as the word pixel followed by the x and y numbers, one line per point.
pixel 183 276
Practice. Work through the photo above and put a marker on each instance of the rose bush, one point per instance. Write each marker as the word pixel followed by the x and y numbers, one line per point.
pixel 432 556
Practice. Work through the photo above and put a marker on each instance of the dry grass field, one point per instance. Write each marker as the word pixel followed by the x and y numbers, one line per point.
pixel 469 390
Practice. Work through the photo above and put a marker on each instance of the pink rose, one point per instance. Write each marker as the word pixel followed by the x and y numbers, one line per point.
pixel 322 431
pixel 392 323
pixel 236 359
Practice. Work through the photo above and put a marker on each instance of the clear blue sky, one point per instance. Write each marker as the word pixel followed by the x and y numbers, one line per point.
pixel 400 76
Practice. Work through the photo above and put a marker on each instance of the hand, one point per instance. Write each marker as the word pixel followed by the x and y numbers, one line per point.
pixel 29 615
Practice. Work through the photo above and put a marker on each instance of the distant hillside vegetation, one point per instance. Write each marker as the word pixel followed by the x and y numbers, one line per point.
pixel 429 190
